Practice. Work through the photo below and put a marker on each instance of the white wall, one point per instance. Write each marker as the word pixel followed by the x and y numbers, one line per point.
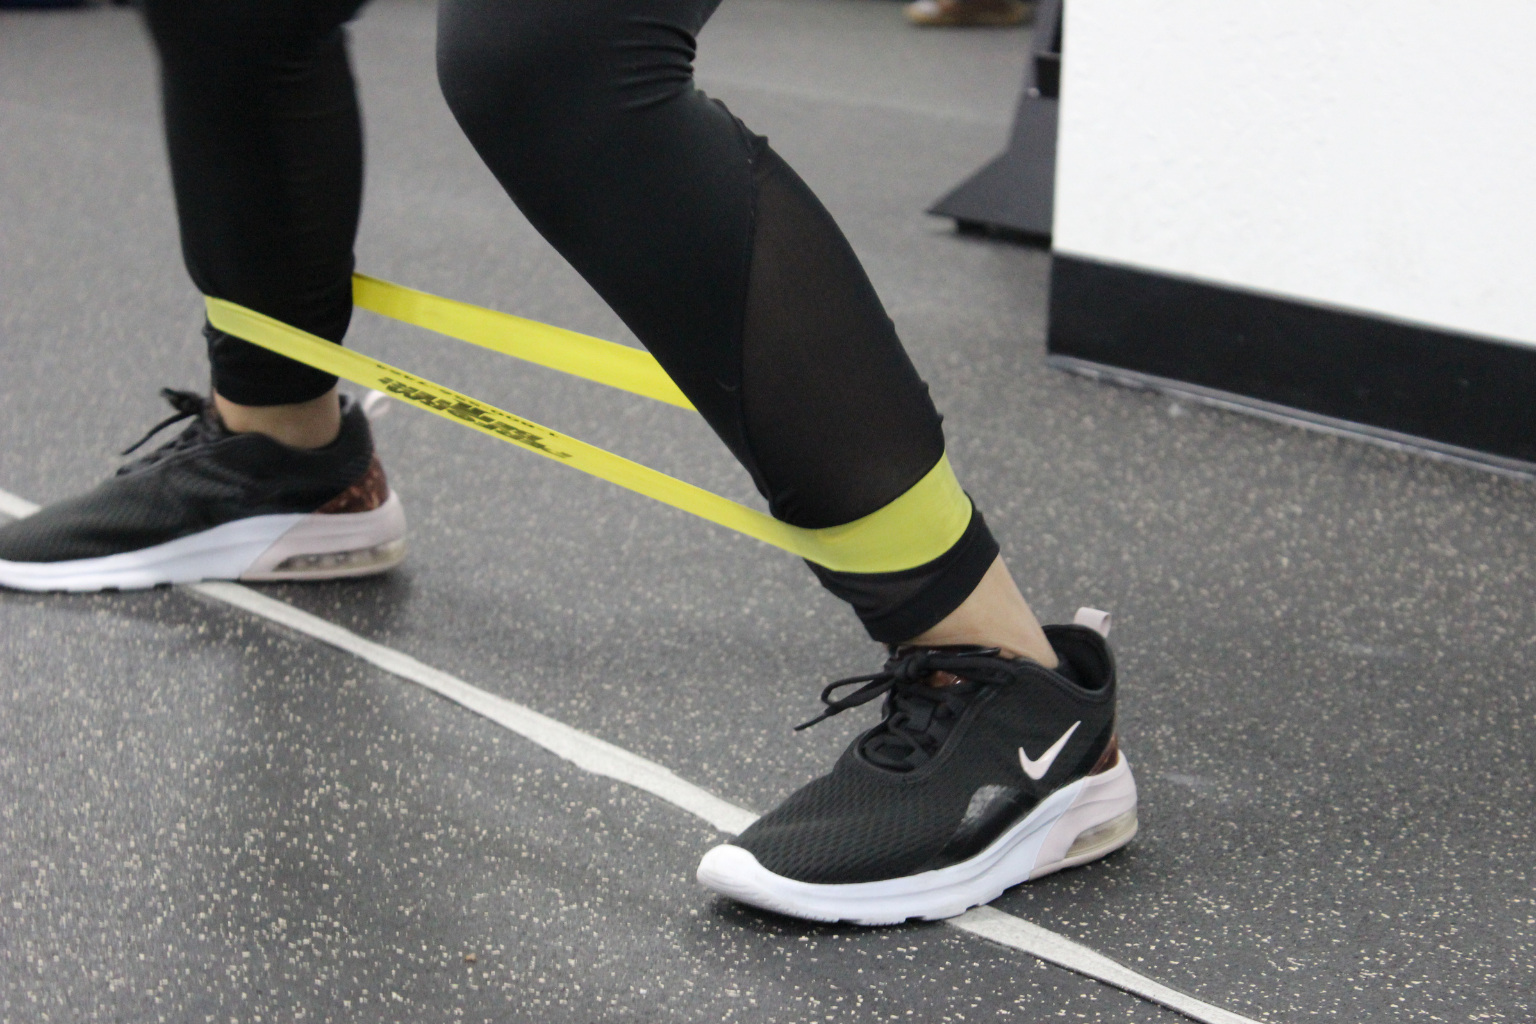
pixel 1378 156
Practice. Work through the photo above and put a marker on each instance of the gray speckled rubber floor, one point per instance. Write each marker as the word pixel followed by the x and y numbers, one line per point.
pixel 1327 648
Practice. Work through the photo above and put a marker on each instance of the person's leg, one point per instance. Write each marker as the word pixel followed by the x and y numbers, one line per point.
pixel 994 614
pixel 276 477
pixel 985 769
pixel 265 144
pixel 730 271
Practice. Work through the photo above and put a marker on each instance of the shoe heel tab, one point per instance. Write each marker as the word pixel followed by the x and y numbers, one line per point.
pixel 1087 651
pixel 1094 619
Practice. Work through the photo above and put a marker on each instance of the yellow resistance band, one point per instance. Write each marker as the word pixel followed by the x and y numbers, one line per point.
pixel 914 529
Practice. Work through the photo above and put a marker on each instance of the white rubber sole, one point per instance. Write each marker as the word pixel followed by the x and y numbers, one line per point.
pixel 1076 824
pixel 280 547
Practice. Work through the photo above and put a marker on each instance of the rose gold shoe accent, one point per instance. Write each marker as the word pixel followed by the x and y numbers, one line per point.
pixel 367 494
pixel 1109 758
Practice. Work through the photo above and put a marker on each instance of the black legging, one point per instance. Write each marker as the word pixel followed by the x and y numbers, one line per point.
pixel 707 244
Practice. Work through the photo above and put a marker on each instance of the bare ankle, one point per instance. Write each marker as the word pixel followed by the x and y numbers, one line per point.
pixel 311 424
pixel 994 615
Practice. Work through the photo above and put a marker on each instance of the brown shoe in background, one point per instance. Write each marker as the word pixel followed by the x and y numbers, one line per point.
pixel 968 13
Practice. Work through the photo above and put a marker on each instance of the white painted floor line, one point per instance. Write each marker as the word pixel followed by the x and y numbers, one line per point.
pixel 603 758
pixel 586 752
pixel 993 924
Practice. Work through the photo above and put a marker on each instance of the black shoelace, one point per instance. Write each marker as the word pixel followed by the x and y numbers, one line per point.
pixel 918 717
pixel 203 429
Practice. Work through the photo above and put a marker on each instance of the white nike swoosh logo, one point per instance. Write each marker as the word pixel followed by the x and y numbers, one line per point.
pixel 1037 768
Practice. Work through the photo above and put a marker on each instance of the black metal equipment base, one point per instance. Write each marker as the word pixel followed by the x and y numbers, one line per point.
pixel 1013 195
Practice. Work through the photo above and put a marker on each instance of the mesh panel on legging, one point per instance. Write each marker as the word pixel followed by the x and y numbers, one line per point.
pixel 717 256
pixel 837 418
pixel 836 415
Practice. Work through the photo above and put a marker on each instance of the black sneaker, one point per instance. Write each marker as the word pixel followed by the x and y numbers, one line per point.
pixel 216 505
pixel 984 772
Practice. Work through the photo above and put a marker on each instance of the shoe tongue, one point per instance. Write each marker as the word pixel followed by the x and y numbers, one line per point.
pixel 204 427
pixel 213 426
pixel 1067 671
pixel 915 726
pixel 919 716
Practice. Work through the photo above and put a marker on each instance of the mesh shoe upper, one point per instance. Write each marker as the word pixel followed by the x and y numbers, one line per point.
pixel 892 807
pixel 203 478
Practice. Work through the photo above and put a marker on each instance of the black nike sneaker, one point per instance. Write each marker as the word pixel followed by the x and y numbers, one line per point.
pixel 212 504
pixel 984 772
